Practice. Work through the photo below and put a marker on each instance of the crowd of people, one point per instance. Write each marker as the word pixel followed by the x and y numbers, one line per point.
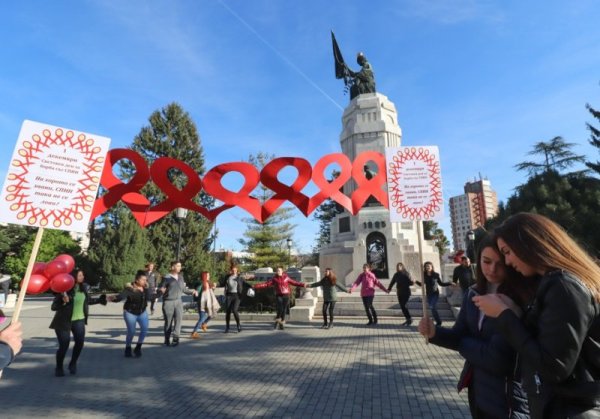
pixel 528 328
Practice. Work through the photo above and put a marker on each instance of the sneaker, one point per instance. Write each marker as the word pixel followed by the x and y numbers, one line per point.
pixel 281 327
pixel 324 326
pixel 195 335
pixel 128 353
pixel 370 323
pixel 330 326
pixel 276 326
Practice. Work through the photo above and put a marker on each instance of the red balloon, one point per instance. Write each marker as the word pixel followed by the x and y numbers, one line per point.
pixel 62 282
pixel 55 267
pixel 38 268
pixel 68 260
pixel 37 284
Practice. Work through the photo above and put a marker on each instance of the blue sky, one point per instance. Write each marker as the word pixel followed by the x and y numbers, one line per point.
pixel 483 80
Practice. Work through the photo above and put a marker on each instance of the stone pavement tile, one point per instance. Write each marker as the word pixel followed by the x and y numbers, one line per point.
pixel 350 371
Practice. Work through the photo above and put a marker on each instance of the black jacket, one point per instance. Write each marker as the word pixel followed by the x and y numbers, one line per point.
pixel 431 283
pixel 62 318
pixel 241 284
pixel 491 358
pixel 403 281
pixel 558 345
pixel 135 301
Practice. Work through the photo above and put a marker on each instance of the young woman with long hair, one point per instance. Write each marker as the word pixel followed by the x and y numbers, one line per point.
pixel 489 359
pixel 403 281
pixel 558 340
pixel 134 312
pixel 71 316
pixel 208 306
pixel 234 289
pixel 368 281
pixel 433 281
pixel 330 285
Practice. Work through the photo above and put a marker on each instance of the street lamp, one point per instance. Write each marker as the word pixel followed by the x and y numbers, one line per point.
pixel 471 245
pixel 181 214
pixel 289 246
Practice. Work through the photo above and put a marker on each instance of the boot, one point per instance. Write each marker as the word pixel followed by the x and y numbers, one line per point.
pixel 324 326
pixel 128 353
pixel 175 341
pixel 239 328
pixel 195 335
pixel 138 350
pixel 204 327
pixel 281 325
pixel 72 368
pixel 59 372
pixel 167 339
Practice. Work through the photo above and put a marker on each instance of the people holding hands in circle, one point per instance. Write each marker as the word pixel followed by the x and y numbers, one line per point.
pixel 433 281
pixel 558 339
pixel 330 285
pixel 368 281
pixel 281 282
pixel 134 312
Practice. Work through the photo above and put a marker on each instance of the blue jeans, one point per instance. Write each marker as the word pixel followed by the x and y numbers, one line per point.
pixel 130 321
pixel 204 318
pixel 432 300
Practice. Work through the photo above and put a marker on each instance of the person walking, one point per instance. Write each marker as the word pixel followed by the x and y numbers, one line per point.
pixel 464 275
pixel 368 281
pixel 172 288
pixel 403 281
pixel 488 371
pixel 281 282
pixel 558 339
pixel 151 290
pixel 330 285
pixel 71 316
pixel 234 290
pixel 135 312
pixel 433 281
pixel 208 306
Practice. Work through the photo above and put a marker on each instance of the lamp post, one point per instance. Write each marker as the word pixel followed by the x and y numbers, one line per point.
pixel 471 245
pixel 181 214
pixel 289 246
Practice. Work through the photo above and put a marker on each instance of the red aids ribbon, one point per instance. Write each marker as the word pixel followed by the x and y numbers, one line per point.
pixel 176 198
pixel 331 189
pixel 283 192
pixel 242 198
pixel 367 187
pixel 126 192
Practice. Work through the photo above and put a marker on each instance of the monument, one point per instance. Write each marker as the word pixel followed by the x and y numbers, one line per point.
pixel 370 123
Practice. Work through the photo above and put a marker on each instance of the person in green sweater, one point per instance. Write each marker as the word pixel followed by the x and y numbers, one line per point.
pixel 330 286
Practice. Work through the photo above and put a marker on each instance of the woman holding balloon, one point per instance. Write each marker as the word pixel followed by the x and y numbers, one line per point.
pixel 71 308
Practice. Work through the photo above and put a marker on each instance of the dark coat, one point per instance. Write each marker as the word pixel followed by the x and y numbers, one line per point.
pixel 403 281
pixel 491 358
pixel 241 284
pixel 62 317
pixel 558 345
pixel 431 283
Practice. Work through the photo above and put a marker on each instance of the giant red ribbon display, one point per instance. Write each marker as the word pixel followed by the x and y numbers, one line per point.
pixel 146 214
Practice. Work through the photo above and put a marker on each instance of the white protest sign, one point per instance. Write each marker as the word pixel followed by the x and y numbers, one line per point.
pixel 414 183
pixel 53 177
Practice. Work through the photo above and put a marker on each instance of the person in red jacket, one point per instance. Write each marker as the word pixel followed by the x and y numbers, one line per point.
pixel 367 280
pixel 281 282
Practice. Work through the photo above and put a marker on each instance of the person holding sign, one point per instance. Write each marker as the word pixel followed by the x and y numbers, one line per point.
pixel 432 279
pixel 489 359
pixel 11 342
pixel 558 339
pixel 71 316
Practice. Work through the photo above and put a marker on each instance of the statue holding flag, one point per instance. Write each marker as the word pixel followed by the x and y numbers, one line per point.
pixel 359 82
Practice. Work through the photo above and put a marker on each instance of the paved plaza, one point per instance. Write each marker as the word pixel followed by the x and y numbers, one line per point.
pixel 350 371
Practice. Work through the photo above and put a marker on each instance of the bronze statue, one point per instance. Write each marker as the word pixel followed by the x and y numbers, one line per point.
pixel 359 82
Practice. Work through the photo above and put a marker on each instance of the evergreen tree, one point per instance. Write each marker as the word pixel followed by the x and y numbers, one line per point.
pixel 118 250
pixel 267 241
pixel 172 133
pixel 432 231
pixel 557 156
pixel 594 138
